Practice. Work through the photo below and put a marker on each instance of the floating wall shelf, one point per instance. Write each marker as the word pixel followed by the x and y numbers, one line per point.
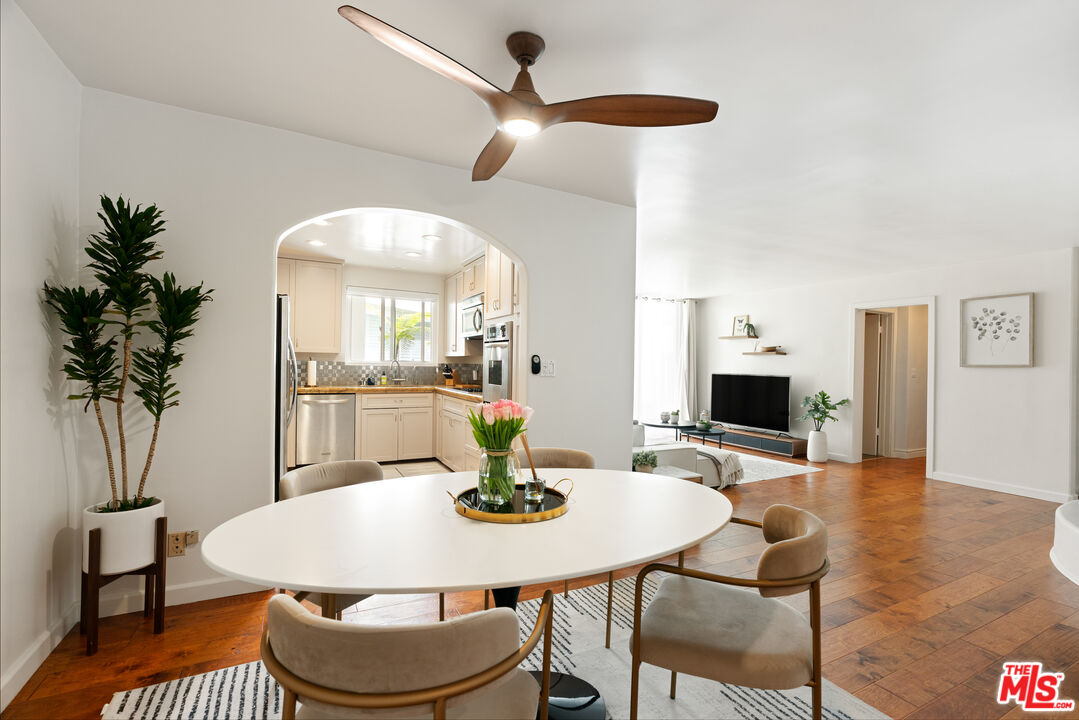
pixel 738 337
pixel 773 352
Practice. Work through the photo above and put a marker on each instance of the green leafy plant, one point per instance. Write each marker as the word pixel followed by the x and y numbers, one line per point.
pixel 406 328
pixel 820 408
pixel 118 257
pixel 644 458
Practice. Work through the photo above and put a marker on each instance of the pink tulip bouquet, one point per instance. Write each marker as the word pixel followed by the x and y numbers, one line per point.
pixel 497 424
pixel 494 427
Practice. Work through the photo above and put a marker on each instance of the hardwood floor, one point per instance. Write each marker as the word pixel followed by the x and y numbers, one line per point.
pixel 933 586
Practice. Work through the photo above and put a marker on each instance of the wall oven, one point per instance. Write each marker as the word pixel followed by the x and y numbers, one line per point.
pixel 472 317
pixel 497 361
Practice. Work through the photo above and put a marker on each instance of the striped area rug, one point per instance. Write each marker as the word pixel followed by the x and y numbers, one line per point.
pixel 248 692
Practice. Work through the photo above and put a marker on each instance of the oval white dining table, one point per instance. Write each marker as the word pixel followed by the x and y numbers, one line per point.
pixel 403 535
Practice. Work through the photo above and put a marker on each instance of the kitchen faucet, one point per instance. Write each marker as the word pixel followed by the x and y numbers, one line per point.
pixel 395 374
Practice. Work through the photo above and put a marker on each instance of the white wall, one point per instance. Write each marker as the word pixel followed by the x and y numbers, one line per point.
pixel 1009 429
pixel 229 189
pixel 39 495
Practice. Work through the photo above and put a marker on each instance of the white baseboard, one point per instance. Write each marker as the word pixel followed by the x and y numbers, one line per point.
pixel 131 600
pixel 840 457
pixel 909 453
pixel 24 667
pixel 1056 497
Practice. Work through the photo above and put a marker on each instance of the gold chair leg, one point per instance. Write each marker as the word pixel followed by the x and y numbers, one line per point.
pixel 814 623
pixel 633 687
pixel 610 598
pixel 565 588
pixel 682 559
pixel 486 599
pixel 441 607
pixel 674 681
pixel 288 705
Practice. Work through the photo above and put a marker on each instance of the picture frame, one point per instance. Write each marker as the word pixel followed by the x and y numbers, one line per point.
pixel 997 331
pixel 739 326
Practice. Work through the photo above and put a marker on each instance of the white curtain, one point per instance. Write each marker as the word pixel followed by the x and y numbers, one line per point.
pixel 664 359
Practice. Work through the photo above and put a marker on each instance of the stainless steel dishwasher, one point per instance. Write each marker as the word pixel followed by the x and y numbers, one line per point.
pixel 325 428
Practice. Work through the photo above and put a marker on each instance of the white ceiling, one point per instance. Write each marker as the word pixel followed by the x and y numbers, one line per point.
pixel 381 237
pixel 852 138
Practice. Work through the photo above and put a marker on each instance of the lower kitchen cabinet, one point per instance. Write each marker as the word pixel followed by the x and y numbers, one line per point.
pixel 415 436
pixel 397 427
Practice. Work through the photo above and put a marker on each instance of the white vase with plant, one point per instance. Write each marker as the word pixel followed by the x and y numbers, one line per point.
pixel 819 408
pixel 644 461
pixel 97 321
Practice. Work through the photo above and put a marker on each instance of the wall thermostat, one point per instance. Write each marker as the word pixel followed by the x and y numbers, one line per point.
pixel 535 364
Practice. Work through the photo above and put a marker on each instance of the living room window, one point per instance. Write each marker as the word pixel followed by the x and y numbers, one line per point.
pixel 390 324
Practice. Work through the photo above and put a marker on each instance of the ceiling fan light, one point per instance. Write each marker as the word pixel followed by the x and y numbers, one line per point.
pixel 521 127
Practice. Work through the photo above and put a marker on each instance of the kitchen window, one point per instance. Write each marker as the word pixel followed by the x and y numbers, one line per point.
pixel 390 324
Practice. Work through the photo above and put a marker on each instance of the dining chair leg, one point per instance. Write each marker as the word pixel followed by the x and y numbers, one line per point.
pixel 633 687
pixel 674 681
pixel 288 705
pixel 486 599
pixel 565 588
pixel 329 606
pixel 814 624
pixel 610 598
pixel 441 607
pixel 682 559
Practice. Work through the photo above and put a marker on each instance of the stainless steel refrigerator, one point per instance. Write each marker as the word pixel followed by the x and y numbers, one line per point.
pixel 287 384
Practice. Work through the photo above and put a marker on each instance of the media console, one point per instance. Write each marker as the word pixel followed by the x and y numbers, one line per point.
pixel 763 441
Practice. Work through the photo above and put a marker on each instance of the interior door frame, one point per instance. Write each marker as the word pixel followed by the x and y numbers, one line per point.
pixel 857 371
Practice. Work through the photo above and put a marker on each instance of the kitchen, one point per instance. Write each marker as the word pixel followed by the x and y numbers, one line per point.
pixel 392 325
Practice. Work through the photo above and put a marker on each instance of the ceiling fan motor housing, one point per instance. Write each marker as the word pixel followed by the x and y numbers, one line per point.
pixel 525 47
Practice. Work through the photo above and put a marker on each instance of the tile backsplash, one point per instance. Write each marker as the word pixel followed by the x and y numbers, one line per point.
pixel 332 372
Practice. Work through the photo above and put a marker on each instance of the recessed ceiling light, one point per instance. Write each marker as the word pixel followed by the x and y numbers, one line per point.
pixel 432 237
pixel 316 243
pixel 413 254
pixel 322 222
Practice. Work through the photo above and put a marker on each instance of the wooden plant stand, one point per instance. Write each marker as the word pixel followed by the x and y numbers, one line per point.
pixel 153 594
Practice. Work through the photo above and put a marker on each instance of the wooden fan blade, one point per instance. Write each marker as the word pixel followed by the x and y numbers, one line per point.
pixel 497 100
pixel 494 156
pixel 628 110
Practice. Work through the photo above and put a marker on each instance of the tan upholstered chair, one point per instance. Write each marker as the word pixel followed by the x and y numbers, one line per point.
pixel 327 476
pixel 466 667
pixel 696 624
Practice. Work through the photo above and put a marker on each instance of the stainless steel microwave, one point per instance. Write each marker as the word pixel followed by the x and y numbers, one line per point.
pixel 472 317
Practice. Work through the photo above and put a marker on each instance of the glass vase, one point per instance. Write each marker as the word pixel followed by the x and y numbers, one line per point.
pixel 498 476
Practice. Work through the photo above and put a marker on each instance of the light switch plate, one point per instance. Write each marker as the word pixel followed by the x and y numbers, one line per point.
pixel 548 369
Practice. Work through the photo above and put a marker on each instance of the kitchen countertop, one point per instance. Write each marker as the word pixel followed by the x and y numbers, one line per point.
pixel 380 389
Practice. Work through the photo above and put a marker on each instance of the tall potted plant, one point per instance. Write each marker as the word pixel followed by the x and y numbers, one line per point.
pixel 819 408
pixel 102 324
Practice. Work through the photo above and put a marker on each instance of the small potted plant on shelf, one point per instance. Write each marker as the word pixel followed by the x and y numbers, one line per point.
pixel 674 417
pixel 644 461
pixel 102 325
pixel 819 408
pixel 495 426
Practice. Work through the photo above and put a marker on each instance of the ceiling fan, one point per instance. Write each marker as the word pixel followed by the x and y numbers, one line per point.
pixel 520 112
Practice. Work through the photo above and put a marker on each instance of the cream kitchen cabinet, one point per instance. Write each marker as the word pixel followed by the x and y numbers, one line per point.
pixel 455 344
pixel 315 300
pixel 473 278
pixel 457 447
pixel 498 292
pixel 397 427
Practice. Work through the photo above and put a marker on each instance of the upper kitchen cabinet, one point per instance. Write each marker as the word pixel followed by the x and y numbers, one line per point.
pixel 498 294
pixel 454 345
pixel 473 278
pixel 315 299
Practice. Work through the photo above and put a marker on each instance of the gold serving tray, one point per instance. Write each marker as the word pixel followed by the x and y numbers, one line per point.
pixel 555 503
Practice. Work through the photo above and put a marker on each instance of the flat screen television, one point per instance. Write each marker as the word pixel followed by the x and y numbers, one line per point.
pixel 753 401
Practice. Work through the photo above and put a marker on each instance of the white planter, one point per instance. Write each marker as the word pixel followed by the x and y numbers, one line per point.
pixel 127 538
pixel 818 446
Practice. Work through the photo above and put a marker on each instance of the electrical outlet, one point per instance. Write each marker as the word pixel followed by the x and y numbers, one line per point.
pixel 547 369
pixel 192 537
pixel 177 544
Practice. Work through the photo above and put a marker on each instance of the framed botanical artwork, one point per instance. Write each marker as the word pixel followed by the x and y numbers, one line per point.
pixel 997 331
pixel 740 322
